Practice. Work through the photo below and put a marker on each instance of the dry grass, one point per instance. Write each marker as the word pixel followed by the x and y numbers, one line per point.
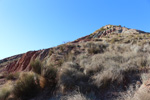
pixel 12 76
pixel 74 96
pixel 36 66
pixel 112 67
pixel 116 63
pixel 91 66
pixel 26 87
pixel 137 94
pixel 107 77
pixel 95 47
pixel 48 77
pixel 71 77
pixel 6 90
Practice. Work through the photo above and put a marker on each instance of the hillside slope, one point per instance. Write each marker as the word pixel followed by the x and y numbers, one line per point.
pixel 22 62
pixel 104 65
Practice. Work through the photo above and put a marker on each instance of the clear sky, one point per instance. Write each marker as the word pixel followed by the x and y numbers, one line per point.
pixel 37 24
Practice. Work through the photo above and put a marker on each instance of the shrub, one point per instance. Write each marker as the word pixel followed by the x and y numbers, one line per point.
pixel 113 40
pixel 74 96
pixel 48 78
pixel 49 72
pixel 10 77
pixel 127 41
pixel 60 62
pixel 5 91
pixel 26 87
pixel 93 66
pixel 112 67
pixel 36 66
pixel 94 48
pixel 71 77
pixel 107 77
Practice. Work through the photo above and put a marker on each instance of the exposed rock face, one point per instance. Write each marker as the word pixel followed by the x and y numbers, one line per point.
pixel 23 64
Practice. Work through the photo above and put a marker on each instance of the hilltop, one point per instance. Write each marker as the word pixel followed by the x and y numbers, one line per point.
pixel 106 30
pixel 112 63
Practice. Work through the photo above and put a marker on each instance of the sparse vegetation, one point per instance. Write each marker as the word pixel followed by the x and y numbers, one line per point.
pixel 102 66
pixel 101 29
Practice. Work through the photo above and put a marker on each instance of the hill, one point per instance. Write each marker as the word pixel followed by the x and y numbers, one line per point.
pixel 112 63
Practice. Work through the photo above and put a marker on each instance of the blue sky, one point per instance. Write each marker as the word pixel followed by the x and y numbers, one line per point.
pixel 37 24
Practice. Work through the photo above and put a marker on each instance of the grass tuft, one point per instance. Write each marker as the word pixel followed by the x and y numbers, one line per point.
pixel 26 87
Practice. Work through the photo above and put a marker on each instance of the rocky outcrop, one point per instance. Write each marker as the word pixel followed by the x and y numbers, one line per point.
pixel 23 64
